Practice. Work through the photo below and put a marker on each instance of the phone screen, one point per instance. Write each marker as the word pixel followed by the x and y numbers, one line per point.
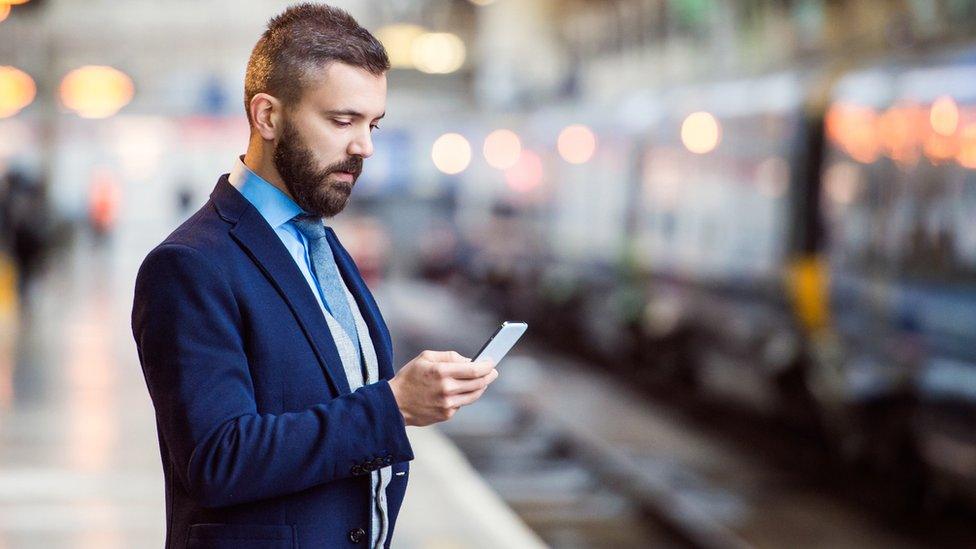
pixel 501 342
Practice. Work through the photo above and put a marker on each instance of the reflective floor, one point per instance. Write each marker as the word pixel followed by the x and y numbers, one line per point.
pixel 78 458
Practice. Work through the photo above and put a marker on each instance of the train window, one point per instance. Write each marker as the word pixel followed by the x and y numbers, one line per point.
pixel 964 218
pixel 942 208
pixel 721 213
pixel 918 223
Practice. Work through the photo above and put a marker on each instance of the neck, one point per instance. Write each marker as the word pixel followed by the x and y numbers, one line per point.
pixel 258 159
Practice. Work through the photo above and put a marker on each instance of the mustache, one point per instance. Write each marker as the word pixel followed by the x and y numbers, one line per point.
pixel 353 165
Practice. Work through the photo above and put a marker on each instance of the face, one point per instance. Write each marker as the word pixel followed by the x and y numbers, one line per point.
pixel 325 137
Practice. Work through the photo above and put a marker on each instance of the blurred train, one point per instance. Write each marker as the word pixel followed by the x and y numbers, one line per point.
pixel 802 243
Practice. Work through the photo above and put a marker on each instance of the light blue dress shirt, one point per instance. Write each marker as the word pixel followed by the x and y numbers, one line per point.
pixel 278 210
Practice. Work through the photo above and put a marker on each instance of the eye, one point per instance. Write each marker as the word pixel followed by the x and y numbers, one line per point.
pixel 342 124
pixel 374 127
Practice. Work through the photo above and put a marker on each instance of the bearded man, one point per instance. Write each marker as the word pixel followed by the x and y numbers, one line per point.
pixel 280 420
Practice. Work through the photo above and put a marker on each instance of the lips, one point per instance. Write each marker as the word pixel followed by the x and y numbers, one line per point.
pixel 348 177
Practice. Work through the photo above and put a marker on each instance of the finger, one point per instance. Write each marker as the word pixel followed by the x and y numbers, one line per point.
pixel 465 398
pixel 442 356
pixel 458 386
pixel 468 370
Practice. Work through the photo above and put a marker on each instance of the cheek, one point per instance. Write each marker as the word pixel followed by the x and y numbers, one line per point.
pixel 327 143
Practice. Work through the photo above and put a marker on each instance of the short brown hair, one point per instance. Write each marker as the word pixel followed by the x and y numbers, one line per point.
pixel 302 38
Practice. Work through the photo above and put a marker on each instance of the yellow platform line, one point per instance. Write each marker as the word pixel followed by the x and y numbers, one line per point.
pixel 8 293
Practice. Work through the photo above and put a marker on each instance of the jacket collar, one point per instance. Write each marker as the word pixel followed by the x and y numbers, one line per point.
pixel 252 232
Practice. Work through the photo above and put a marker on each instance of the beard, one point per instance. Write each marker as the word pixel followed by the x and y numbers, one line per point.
pixel 312 187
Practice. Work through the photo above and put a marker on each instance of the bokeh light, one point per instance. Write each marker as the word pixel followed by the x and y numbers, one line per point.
pixel 944 116
pixel 438 53
pixel 854 128
pixel 940 148
pixel 502 149
pixel 17 90
pixel 700 132
pixel 398 40
pixel 451 153
pixel 576 144
pixel 967 147
pixel 526 174
pixel 4 11
pixel 898 135
pixel 96 91
pixel 843 182
pixel 894 130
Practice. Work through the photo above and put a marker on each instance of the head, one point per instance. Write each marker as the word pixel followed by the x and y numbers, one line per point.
pixel 314 91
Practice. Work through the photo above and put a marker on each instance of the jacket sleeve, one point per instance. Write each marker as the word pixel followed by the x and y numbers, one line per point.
pixel 188 328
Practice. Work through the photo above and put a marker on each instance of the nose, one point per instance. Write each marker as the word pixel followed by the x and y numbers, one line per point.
pixel 362 145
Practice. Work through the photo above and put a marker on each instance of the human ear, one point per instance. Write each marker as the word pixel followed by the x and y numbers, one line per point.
pixel 266 115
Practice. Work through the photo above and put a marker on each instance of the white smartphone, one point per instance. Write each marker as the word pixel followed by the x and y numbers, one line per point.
pixel 501 342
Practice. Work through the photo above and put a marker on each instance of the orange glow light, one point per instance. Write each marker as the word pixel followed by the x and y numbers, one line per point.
pixel 17 90
pixel 940 148
pixel 576 144
pixel 895 132
pixel 96 91
pixel 944 116
pixel 502 149
pixel 862 141
pixel 526 174
pixel 700 132
pixel 967 148
pixel 854 128
pixel 451 153
pixel 4 11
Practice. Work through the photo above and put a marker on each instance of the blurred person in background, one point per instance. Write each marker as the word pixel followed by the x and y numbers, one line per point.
pixel 25 223
pixel 104 196
pixel 184 199
pixel 280 420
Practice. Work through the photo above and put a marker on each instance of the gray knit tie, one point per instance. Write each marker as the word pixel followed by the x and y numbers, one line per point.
pixel 327 273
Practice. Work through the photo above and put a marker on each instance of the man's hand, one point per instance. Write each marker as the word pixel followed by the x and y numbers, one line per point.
pixel 430 388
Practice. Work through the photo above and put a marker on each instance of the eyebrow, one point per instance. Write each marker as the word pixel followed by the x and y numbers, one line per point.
pixel 352 113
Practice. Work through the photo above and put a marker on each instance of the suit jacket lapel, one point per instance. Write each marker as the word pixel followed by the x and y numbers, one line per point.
pixel 254 234
pixel 378 332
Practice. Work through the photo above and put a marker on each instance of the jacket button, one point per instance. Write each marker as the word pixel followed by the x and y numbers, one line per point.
pixel 357 535
pixel 388 460
pixel 356 470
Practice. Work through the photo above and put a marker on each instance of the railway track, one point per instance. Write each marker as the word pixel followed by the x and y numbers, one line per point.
pixel 590 461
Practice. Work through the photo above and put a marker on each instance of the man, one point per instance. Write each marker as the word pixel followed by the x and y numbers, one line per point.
pixel 280 420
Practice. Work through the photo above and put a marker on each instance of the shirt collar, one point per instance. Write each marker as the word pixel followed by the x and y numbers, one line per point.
pixel 275 206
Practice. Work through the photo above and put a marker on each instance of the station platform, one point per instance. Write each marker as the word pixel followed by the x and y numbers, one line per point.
pixel 79 463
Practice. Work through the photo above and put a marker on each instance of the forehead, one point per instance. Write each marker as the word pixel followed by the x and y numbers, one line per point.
pixel 343 87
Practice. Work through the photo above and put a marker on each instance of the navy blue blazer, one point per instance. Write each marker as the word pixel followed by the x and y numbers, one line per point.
pixel 262 442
